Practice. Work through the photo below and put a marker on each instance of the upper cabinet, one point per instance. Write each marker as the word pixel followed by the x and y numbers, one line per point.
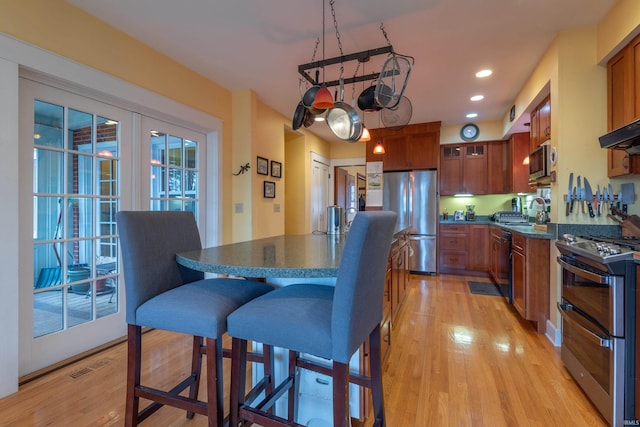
pixel 540 124
pixel 623 104
pixel 518 151
pixel 411 147
pixel 491 167
pixel 463 169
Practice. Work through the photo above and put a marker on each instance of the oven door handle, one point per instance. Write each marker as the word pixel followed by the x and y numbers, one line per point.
pixel 602 341
pixel 589 275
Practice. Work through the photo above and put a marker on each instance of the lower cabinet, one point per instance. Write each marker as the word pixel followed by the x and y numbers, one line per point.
pixel 464 249
pixel 530 269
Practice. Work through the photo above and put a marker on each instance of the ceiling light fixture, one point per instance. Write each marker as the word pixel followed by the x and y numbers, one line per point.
pixel 366 136
pixel 472 115
pixel 477 98
pixel 484 73
pixel 379 148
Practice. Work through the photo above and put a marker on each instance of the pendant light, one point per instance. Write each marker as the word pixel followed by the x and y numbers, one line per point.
pixel 379 148
pixel 323 99
pixel 366 136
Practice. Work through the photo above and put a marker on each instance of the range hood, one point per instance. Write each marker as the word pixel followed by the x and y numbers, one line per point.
pixel 625 138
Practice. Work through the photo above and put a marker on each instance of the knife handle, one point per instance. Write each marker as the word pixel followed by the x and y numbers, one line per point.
pixel 591 214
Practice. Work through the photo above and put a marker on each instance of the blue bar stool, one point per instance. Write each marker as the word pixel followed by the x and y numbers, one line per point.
pixel 163 295
pixel 324 321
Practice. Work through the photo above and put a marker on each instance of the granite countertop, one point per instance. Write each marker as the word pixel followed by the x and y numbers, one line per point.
pixel 526 229
pixel 306 255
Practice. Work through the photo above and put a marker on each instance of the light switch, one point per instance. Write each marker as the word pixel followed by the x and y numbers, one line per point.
pixel 276 207
pixel 239 208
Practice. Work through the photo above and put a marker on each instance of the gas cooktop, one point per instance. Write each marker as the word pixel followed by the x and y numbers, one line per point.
pixel 602 249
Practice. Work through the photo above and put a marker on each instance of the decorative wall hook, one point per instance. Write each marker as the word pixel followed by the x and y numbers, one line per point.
pixel 243 169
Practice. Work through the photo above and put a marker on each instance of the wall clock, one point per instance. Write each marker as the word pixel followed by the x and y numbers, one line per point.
pixel 469 132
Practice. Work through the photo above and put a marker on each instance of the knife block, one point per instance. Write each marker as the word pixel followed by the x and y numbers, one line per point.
pixel 629 229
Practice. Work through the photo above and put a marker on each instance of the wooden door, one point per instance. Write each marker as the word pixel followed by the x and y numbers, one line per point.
pixel 341 187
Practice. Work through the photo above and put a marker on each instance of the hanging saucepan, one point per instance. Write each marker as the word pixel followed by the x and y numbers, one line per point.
pixel 309 96
pixel 367 99
pixel 343 120
pixel 309 118
pixel 298 116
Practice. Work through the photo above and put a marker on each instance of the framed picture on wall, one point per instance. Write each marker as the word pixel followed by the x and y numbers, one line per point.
pixel 263 166
pixel 269 189
pixel 276 169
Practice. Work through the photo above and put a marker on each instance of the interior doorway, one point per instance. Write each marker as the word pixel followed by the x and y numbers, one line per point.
pixel 319 192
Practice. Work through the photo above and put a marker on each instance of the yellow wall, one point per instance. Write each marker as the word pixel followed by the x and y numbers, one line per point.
pixel 617 28
pixel 489 131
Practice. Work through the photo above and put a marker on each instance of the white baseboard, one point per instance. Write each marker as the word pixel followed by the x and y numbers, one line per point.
pixel 553 334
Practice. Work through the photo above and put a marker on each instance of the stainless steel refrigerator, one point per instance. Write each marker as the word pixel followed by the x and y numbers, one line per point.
pixel 414 196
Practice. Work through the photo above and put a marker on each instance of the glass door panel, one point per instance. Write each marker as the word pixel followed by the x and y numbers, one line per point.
pixel 73 297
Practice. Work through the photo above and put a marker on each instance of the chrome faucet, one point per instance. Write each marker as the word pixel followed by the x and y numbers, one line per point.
pixel 347 223
pixel 541 217
pixel 539 200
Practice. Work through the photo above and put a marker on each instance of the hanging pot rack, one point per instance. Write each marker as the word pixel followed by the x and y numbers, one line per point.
pixel 363 56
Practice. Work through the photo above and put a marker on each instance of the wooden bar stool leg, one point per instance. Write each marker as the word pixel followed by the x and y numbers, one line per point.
pixel 238 379
pixel 196 370
pixel 215 392
pixel 340 394
pixel 134 354
pixel 375 368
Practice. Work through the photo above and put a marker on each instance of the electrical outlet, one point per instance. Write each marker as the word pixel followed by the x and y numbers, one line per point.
pixel 239 208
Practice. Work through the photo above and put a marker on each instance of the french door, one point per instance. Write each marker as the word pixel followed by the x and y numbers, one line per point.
pixel 75 169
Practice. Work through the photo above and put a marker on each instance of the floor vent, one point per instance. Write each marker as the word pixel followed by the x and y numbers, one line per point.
pixel 99 364
pixel 81 372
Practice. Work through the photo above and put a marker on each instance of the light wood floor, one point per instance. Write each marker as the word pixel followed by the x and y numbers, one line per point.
pixel 457 360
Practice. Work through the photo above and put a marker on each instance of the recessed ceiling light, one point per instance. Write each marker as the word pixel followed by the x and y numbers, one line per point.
pixel 477 97
pixel 472 115
pixel 484 73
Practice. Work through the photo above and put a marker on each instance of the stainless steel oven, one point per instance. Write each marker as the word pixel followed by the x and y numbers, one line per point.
pixel 598 323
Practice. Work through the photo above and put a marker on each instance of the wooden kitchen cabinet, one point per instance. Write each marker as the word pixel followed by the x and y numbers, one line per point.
pixel 399 275
pixel 411 147
pixel 478 247
pixel 463 249
pixel 498 167
pixel 519 150
pixel 540 129
pixel 530 270
pixel 623 104
pixel 463 169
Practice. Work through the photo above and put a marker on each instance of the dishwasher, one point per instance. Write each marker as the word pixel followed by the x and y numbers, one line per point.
pixel 504 266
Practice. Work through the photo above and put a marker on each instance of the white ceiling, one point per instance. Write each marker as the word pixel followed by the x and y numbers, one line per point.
pixel 258 45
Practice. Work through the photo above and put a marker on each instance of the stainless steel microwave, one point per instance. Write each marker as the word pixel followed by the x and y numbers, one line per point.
pixel 539 162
